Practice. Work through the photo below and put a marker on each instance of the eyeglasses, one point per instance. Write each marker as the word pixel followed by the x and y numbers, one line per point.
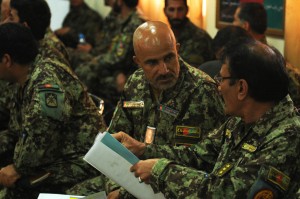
pixel 220 79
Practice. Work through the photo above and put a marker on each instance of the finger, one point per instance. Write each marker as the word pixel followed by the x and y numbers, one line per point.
pixel 118 136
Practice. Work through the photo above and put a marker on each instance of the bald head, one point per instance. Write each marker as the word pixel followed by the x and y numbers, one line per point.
pixel 152 34
pixel 156 52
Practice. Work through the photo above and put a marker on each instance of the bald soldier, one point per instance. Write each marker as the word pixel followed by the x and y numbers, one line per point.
pixel 180 102
pixel 255 151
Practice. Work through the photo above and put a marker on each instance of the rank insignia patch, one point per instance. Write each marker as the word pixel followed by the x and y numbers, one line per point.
pixel 51 100
pixel 249 147
pixel 224 169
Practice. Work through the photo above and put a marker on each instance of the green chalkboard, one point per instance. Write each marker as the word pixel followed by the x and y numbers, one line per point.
pixel 275 12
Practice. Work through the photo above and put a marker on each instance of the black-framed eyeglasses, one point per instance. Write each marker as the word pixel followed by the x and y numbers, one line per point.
pixel 220 79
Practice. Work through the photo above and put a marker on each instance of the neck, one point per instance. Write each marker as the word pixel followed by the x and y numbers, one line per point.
pixel 259 37
pixel 251 116
pixel 21 74
pixel 156 93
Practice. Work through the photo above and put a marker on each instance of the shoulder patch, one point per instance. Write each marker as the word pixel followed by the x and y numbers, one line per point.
pixel 264 194
pixel 51 100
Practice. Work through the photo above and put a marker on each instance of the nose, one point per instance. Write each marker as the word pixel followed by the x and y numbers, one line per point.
pixel 163 69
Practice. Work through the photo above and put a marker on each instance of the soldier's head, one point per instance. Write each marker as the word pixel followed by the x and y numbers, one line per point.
pixel 32 13
pixel 176 11
pixel 18 47
pixel 156 52
pixel 252 17
pixel 225 35
pixel 5 9
pixel 251 72
pixel 119 4
pixel 76 3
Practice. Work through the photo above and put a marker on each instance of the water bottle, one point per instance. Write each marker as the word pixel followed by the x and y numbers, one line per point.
pixel 81 38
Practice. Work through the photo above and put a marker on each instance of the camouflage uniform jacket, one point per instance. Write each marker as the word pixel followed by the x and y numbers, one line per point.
pixel 51 43
pixel 117 58
pixel 195 44
pixel 81 20
pixel 257 159
pixel 56 122
pixel 183 114
pixel 104 37
pixel 294 86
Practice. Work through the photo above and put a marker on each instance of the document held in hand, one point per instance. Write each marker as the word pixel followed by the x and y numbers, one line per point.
pixel 112 159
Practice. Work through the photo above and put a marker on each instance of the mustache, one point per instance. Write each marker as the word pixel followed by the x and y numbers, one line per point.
pixel 165 77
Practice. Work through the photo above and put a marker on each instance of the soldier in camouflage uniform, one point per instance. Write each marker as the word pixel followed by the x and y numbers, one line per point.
pixel 52 118
pixel 195 43
pixel 99 73
pixel 255 152
pixel 81 19
pixel 176 111
pixel 294 86
pixel 152 98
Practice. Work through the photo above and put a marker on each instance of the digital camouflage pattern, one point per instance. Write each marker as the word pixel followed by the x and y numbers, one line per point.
pixel 83 20
pixel 102 41
pixel 50 46
pixel 194 99
pixel 4 112
pixel 254 159
pixel 200 109
pixel 294 84
pixel 55 122
pixel 98 73
pixel 195 44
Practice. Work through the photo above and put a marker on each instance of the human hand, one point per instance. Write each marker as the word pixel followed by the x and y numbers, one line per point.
pixel 8 176
pixel 136 147
pixel 143 169
pixel 84 47
pixel 114 194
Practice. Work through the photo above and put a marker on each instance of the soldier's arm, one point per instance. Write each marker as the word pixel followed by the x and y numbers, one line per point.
pixel 249 172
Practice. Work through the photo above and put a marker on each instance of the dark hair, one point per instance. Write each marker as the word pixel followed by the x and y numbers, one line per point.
pixel 228 34
pixel 184 1
pixel 256 15
pixel 261 66
pixel 131 3
pixel 36 13
pixel 17 41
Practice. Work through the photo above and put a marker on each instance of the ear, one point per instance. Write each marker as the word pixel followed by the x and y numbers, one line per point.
pixel 136 60
pixel 177 47
pixel 242 87
pixel 6 60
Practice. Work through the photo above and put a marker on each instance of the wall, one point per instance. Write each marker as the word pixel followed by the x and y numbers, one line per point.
pixel 210 26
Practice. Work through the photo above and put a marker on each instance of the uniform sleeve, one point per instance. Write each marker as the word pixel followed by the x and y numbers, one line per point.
pixel 44 120
pixel 177 181
pixel 118 57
